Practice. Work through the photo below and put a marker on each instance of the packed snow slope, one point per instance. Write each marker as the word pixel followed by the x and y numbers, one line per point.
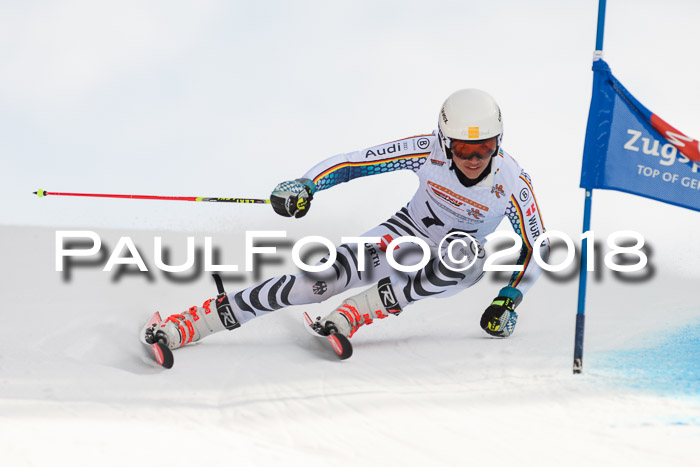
pixel 426 388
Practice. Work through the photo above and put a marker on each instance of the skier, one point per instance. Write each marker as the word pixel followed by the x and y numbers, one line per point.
pixel 468 183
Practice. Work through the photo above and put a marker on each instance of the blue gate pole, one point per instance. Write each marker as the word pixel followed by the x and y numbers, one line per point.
pixel 582 278
pixel 583 269
pixel 601 26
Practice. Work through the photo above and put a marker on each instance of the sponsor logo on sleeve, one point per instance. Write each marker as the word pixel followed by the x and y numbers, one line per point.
pixel 531 210
pixel 532 223
pixel 384 150
pixel 524 195
pixel 422 143
pixel 534 227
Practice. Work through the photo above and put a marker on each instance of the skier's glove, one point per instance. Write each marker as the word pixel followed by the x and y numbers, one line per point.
pixel 293 198
pixel 500 317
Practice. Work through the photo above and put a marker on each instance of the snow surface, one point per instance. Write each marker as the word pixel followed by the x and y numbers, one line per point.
pixel 190 99
pixel 426 388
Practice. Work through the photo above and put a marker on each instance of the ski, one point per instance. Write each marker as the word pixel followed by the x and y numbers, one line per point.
pixel 161 353
pixel 339 343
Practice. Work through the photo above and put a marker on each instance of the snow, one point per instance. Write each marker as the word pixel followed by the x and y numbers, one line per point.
pixel 428 387
pixel 192 100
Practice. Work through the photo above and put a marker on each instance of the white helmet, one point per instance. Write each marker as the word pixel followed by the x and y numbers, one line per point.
pixel 469 115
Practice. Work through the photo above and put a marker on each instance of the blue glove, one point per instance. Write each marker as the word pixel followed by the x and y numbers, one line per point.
pixel 500 317
pixel 293 198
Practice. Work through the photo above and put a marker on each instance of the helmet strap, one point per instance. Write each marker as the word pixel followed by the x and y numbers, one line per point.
pixel 447 151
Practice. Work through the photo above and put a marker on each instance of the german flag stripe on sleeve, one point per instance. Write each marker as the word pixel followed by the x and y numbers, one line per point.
pixel 368 165
pixel 521 222
pixel 526 261
pixel 535 199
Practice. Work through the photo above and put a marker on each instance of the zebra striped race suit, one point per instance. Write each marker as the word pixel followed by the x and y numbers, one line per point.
pixel 441 205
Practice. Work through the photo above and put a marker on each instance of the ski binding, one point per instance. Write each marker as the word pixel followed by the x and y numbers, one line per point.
pixel 340 344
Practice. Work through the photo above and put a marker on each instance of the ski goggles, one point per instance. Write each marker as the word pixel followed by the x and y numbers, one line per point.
pixel 467 150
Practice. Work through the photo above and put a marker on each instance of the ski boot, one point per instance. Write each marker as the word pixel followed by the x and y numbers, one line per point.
pixel 194 324
pixel 183 328
pixel 377 302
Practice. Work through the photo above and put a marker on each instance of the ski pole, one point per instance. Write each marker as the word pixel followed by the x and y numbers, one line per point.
pixel 42 193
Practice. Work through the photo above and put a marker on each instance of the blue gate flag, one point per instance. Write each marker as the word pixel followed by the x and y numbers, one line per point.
pixel 629 148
